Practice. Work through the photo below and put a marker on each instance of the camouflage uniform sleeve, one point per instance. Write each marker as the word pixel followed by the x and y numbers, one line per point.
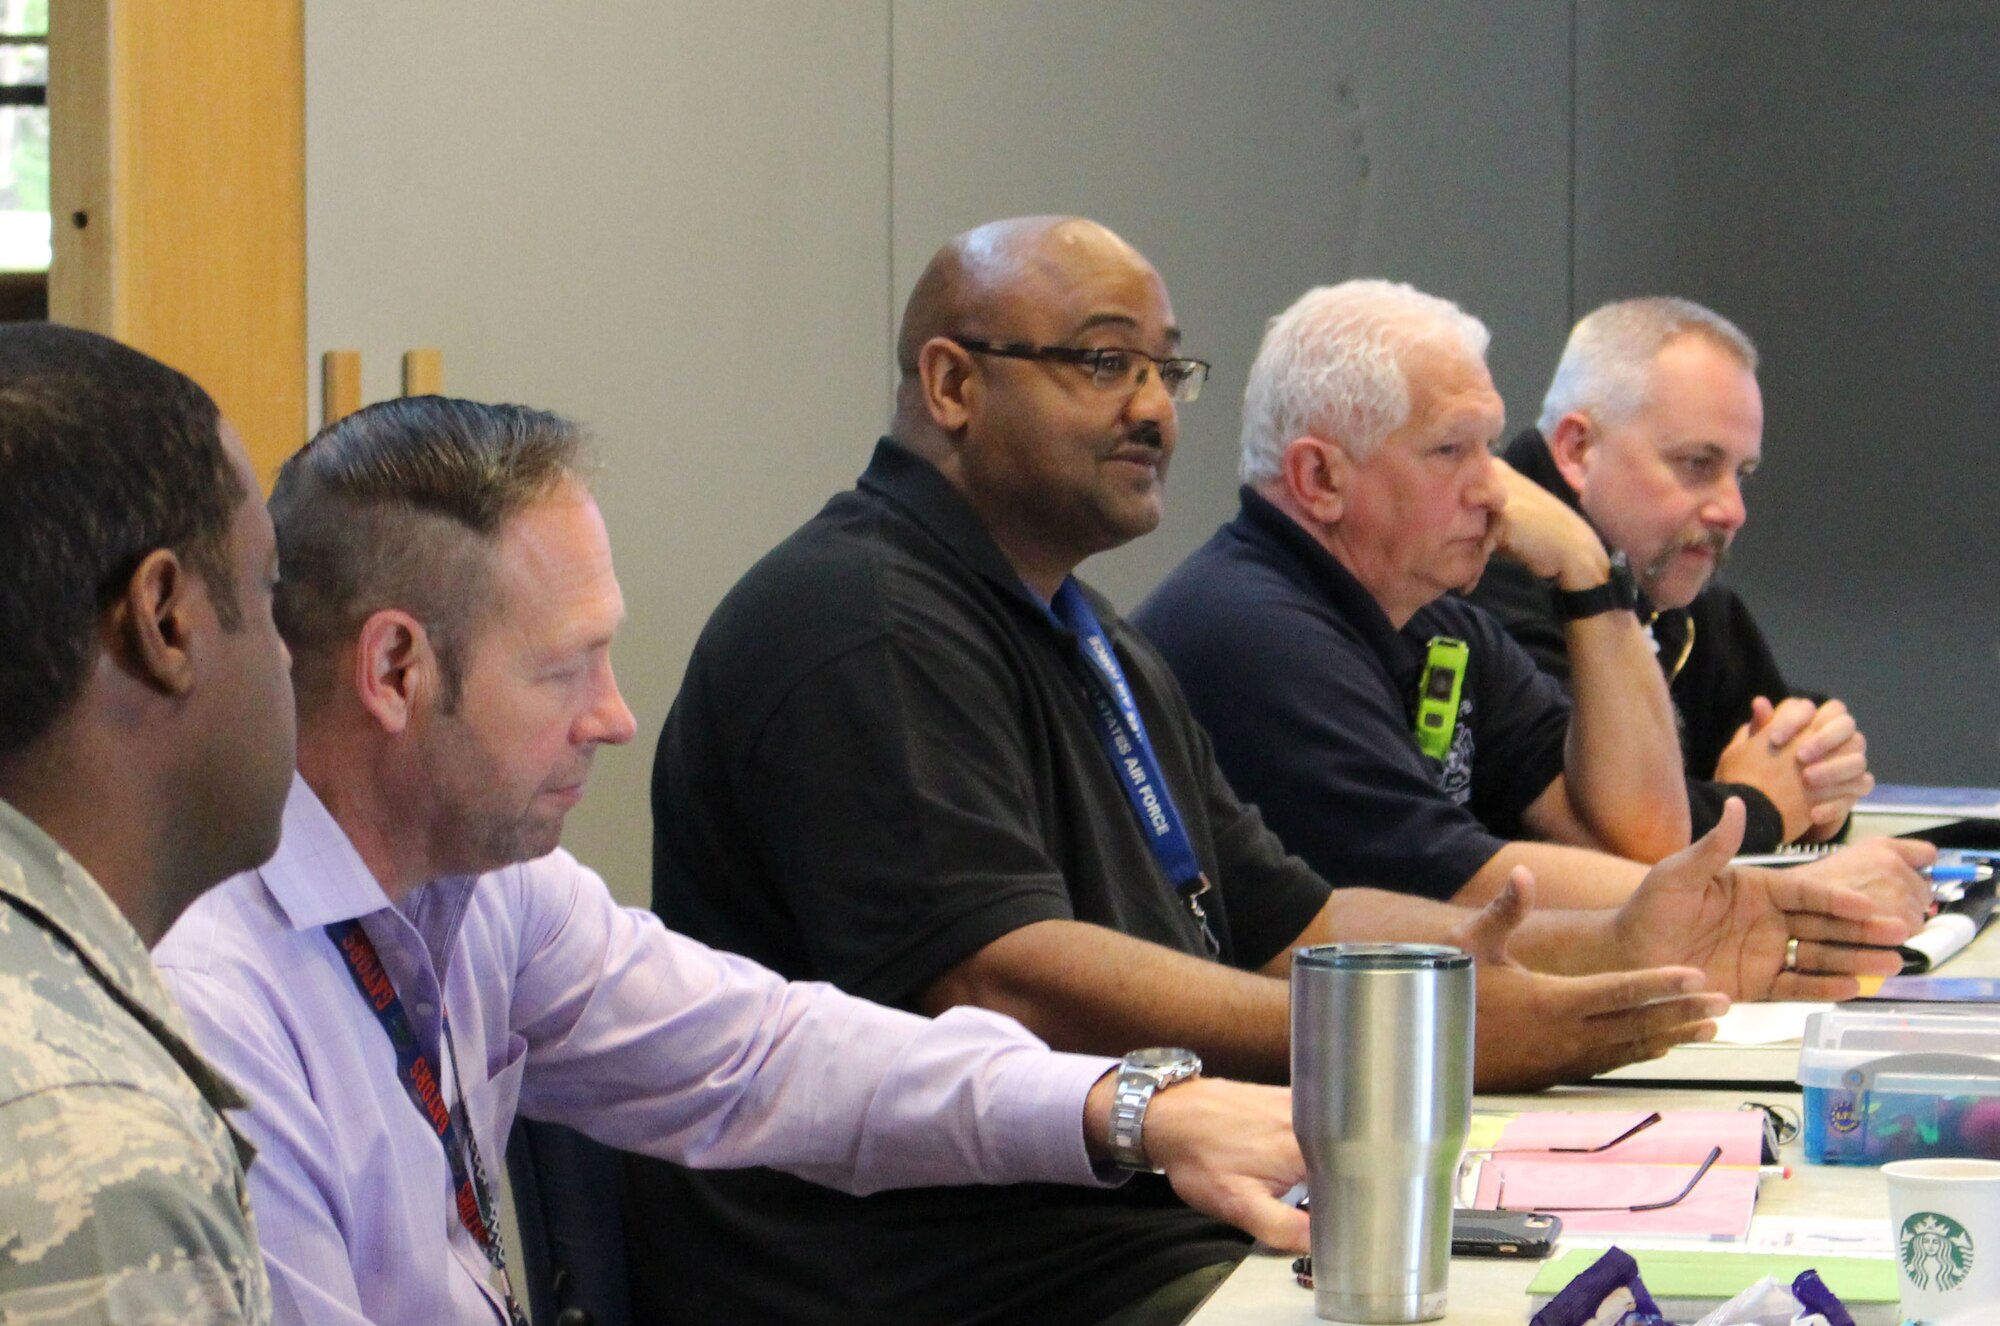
pixel 112 1211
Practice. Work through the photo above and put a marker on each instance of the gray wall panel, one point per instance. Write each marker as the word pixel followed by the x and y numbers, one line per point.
pixel 1829 176
pixel 667 220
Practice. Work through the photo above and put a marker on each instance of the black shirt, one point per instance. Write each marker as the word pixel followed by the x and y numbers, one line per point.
pixel 1712 678
pixel 881 760
pixel 1309 694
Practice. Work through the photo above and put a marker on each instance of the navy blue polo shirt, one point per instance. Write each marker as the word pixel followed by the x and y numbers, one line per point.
pixel 1309 695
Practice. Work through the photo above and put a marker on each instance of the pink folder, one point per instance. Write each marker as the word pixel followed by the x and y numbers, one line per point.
pixel 1651 1166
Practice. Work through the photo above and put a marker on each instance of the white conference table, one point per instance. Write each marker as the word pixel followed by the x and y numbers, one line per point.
pixel 1493 1291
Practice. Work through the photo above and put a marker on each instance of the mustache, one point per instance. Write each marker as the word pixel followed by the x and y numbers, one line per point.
pixel 1147 434
pixel 1714 542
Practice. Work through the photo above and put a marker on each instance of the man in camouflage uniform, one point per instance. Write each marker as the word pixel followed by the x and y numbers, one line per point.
pixel 146 738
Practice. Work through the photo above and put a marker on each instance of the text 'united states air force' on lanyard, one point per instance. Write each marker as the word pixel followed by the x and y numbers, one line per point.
pixel 472 1194
pixel 1123 734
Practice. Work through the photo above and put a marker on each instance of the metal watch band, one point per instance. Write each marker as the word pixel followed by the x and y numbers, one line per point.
pixel 1141 1075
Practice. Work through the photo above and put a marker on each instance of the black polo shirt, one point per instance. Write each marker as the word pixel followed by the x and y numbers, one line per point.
pixel 1714 655
pixel 1309 694
pixel 882 759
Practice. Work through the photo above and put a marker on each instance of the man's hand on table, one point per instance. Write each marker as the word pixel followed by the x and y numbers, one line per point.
pixel 1535 1030
pixel 1847 910
pixel 1227 1147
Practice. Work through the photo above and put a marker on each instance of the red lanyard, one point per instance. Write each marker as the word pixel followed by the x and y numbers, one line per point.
pixel 418 1072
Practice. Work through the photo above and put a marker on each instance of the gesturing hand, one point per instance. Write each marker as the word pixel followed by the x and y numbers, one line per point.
pixel 1536 1030
pixel 1735 922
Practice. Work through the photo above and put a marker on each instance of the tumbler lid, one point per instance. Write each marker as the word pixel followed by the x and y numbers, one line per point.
pixel 1382 957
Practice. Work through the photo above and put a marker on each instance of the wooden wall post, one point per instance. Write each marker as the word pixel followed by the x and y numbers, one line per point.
pixel 423 372
pixel 177 193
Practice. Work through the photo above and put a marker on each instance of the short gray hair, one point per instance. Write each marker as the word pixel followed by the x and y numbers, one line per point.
pixel 1331 365
pixel 1607 367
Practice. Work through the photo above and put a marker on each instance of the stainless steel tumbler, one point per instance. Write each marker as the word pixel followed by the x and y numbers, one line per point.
pixel 1382 1101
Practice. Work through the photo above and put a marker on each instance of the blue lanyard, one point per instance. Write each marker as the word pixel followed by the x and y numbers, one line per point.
pixel 472 1196
pixel 1123 735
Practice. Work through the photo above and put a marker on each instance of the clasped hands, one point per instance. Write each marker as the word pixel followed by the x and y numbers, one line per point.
pixel 1809 759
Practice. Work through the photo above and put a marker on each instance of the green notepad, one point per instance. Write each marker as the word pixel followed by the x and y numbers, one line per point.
pixel 1697 1274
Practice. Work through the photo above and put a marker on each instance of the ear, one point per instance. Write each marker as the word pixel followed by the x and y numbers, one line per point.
pixel 1570 445
pixel 1317 474
pixel 951 387
pixel 396 668
pixel 149 629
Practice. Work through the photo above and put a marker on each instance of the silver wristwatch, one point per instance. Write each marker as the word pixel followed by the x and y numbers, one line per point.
pixel 1140 1075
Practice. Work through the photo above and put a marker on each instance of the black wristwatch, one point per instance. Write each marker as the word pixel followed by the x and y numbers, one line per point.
pixel 1619 592
pixel 1141 1074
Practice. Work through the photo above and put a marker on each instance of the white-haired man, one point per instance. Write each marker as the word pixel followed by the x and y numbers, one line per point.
pixel 1303 630
pixel 1650 427
pixel 1300 630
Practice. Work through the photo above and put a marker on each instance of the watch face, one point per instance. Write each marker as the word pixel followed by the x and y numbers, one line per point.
pixel 1163 1058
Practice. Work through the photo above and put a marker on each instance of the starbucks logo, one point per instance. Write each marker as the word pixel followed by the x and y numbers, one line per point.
pixel 1936 1251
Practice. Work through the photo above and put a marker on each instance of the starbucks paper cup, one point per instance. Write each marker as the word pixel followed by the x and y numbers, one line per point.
pixel 1945 1216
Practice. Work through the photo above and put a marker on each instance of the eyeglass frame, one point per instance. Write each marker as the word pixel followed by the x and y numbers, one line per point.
pixel 1633 1131
pixel 1472 1156
pixel 1781 1126
pixel 1714 1154
pixel 1499 1203
pixel 1093 358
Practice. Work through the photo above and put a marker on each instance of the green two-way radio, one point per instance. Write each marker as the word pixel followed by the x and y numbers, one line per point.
pixel 1437 695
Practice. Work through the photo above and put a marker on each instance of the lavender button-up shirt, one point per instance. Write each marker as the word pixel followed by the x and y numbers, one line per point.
pixel 566 1007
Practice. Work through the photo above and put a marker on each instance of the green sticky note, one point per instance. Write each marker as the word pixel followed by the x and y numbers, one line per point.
pixel 1696 1273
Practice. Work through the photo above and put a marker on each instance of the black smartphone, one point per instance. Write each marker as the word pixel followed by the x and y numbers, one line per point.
pixel 1476 1233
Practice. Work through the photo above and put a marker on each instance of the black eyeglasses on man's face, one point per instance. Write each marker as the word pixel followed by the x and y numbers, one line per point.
pixel 1112 368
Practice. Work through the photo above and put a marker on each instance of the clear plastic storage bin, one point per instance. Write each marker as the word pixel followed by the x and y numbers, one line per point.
pixel 1891 1082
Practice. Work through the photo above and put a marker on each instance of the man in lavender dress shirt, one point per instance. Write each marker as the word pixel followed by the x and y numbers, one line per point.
pixel 448 596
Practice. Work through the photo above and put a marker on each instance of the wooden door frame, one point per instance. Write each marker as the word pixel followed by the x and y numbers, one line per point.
pixel 177 195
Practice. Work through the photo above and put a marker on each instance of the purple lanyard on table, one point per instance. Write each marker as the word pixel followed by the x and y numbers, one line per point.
pixel 418 1072
pixel 1123 735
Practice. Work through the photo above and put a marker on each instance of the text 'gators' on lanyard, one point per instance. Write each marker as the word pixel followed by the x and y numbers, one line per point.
pixel 1131 754
pixel 472 1195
